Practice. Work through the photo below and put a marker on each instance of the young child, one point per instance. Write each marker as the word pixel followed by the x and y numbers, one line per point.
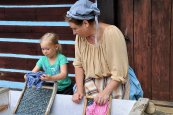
pixel 54 64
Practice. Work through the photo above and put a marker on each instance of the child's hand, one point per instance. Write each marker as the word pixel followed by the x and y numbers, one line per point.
pixel 77 97
pixel 45 77
pixel 25 77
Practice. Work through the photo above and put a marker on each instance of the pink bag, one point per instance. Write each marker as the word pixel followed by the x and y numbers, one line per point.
pixel 95 109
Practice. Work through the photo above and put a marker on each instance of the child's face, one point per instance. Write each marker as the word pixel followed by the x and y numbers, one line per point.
pixel 49 49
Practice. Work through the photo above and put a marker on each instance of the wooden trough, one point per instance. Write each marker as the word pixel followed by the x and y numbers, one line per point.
pixel 62 104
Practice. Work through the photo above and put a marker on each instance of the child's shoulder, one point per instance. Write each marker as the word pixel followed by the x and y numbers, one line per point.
pixel 43 57
pixel 60 55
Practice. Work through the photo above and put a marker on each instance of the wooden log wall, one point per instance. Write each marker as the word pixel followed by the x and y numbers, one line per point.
pixel 22 23
pixel 148 24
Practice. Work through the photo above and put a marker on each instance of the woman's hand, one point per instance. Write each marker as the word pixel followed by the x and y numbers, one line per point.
pixel 101 98
pixel 77 97
pixel 45 77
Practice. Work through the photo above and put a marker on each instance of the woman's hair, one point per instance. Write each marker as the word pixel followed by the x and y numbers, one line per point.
pixel 77 21
pixel 52 38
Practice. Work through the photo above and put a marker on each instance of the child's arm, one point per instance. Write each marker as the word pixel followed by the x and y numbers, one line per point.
pixel 61 75
pixel 36 69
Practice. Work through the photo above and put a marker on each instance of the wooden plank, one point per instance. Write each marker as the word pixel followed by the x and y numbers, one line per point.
pixel 142 43
pixel 25 64
pixel 165 110
pixel 31 48
pixel 161 15
pixel 32 2
pixel 162 103
pixel 139 107
pixel 17 63
pixel 12 76
pixel 19 14
pixel 171 57
pixel 36 29
pixel 1 14
pixel 51 14
pixel 33 35
pixel 35 14
pixel 124 10
pixel 20 48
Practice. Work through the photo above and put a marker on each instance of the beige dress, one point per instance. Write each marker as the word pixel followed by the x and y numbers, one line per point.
pixel 107 60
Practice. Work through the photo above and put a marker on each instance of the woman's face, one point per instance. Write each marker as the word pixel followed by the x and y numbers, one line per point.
pixel 81 30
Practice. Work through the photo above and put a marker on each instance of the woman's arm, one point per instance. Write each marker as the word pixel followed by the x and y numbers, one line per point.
pixel 61 75
pixel 79 82
pixel 79 79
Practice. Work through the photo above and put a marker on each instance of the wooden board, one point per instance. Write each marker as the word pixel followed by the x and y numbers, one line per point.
pixel 142 44
pixel 31 48
pixel 36 29
pixel 171 58
pixel 32 2
pixel 124 10
pixel 34 14
pixel 33 100
pixel 161 11
pixel 33 35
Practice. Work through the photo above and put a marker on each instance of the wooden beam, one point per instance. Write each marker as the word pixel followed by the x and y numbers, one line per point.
pixel 139 107
pixel 162 103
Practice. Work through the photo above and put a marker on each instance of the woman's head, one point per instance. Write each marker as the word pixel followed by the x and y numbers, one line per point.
pixel 82 15
pixel 49 44
pixel 80 27
pixel 83 10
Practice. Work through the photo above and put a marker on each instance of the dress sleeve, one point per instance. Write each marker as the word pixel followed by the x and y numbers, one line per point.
pixel 63 60
pixel 40 62
pixel 117 57
pixel 77 61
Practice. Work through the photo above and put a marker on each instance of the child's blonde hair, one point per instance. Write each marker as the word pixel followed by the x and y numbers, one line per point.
pixel 53 38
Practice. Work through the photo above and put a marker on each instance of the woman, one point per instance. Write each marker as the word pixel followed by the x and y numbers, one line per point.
pixel 101 61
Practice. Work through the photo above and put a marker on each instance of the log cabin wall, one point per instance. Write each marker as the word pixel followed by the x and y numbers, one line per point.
pixel 149 29
pixel 22 23
pixel 147 25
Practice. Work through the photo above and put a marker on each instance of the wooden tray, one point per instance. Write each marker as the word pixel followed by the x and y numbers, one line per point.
pixel 37 101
